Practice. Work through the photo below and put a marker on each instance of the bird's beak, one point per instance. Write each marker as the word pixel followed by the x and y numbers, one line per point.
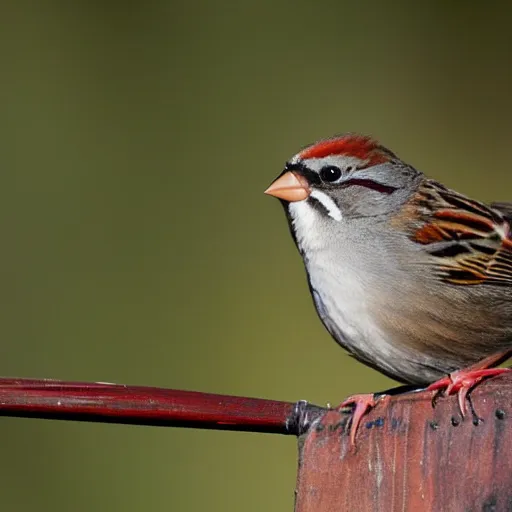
pixel 290 187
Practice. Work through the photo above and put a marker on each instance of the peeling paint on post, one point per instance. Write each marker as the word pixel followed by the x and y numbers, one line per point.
pixel 412 456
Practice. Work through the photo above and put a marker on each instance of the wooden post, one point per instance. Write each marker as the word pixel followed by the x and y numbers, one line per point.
pixel 411 456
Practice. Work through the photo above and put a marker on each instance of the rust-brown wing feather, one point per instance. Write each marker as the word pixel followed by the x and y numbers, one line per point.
pixel 470 241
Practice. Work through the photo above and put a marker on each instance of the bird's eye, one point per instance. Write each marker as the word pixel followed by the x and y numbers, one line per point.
pixel 330 173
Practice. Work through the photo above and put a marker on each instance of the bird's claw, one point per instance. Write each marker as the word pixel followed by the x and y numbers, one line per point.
pixel 362 404
pixel 462 381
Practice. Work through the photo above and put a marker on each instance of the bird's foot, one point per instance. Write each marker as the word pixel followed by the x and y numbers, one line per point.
pixel 462 381
pixel 361 405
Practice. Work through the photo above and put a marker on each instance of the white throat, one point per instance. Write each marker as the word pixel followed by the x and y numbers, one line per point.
pixel 306 219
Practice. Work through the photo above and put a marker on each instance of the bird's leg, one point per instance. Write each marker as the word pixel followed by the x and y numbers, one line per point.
pixel 462 381
pixel 362 404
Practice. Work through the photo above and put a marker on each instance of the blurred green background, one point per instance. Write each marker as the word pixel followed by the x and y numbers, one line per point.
pixel 137 245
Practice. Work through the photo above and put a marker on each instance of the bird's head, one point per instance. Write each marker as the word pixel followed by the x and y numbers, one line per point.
pixel 334 181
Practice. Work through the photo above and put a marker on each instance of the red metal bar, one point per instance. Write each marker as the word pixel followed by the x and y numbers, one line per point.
pixel 113 403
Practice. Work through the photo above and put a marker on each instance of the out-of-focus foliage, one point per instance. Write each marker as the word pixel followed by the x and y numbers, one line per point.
pixel 137 247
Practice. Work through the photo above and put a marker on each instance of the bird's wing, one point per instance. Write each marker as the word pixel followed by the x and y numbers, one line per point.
pixel 504 208
pixel 469 241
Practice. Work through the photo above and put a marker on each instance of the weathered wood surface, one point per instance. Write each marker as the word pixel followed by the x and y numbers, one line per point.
pixel 411 456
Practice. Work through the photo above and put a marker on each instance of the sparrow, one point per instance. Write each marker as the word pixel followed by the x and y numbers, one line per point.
pixel 410 277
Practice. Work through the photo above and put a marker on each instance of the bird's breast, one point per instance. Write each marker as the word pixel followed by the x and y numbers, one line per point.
pixel 345 300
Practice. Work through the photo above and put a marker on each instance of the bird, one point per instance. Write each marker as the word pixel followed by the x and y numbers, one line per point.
pixel 411 277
